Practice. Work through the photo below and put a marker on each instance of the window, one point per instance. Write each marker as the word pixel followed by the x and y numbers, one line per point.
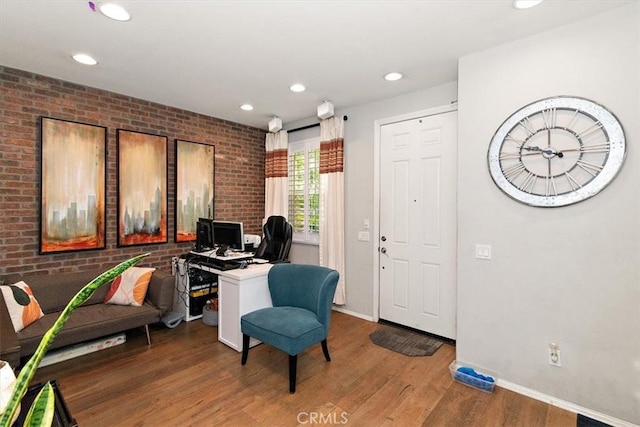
pixel 304 190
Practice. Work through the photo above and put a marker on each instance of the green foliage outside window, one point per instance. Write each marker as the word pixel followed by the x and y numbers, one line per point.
pixel 314 191
pixel 304 191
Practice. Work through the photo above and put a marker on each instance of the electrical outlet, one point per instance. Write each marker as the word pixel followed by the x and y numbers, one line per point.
pixel 555 358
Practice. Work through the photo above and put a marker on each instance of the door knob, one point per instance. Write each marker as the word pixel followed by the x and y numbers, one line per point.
pixel 383 238
pixel 383 250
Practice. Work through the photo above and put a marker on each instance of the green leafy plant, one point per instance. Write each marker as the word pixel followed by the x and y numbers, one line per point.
pixel 42 410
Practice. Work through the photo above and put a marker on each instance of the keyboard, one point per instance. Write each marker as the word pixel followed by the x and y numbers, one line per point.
pixel 216 264
pixel 231 256
pixel 235 256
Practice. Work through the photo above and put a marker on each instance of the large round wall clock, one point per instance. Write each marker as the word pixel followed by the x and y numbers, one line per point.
pixel 557 151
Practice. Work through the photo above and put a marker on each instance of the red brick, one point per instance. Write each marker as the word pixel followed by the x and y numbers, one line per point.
pixel 24 97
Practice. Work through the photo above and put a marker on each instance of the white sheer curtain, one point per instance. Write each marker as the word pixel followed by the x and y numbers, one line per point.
pixel 332 200
pixel 275 172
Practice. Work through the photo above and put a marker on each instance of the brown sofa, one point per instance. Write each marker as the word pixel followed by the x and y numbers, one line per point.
pixel 90 321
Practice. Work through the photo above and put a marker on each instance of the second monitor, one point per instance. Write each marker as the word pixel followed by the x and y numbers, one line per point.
pixel 204 235
pixel 228 233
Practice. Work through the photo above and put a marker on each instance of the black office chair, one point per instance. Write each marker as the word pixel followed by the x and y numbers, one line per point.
pixel 276 243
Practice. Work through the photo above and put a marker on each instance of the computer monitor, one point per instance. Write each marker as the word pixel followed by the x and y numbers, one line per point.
pixel 228 233
pixel 204 235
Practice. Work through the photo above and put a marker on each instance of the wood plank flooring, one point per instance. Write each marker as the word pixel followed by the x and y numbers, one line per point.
pixel 188 378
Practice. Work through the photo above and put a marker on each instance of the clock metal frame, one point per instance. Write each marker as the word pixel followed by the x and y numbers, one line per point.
pixel 601 116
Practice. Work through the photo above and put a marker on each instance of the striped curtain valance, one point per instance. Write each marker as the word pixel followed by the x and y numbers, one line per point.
pixel 332 156
pixel 275 165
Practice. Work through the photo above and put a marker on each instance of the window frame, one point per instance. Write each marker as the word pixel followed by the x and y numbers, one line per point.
pixel 305 146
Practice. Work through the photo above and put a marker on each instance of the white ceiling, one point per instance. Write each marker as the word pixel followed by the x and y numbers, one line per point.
pixel 212 56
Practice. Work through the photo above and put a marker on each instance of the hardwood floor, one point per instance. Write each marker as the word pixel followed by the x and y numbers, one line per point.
pixel 188 378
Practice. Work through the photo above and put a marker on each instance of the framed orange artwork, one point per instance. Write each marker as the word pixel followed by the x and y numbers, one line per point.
pixel 72 186
pixel 195 172
pixel 142 188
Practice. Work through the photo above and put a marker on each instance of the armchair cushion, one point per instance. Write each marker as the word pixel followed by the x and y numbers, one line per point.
pixel 290 329
pixel 307 286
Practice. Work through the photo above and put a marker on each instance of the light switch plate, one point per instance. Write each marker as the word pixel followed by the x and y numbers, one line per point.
pixel 363 236
pixel 483 251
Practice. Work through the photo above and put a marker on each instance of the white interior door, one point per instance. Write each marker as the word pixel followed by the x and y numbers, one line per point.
pixel 418 223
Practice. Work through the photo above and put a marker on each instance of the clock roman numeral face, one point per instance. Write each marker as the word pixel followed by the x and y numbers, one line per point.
pixel 563 147
pixel 556 151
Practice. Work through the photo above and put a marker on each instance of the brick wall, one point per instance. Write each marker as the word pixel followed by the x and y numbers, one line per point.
pixel 24 97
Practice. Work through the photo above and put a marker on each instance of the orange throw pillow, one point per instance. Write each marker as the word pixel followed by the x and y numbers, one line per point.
pixel 130 287
pixel 21 304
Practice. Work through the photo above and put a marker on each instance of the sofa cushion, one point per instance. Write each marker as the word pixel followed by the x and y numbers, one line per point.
pixel 130 287
pixel 54 291
pixel 7 279
pixel 22 305
pixel 88 323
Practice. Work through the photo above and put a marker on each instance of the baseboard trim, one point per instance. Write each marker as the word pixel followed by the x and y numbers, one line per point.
pixel 66 353
pixel 352 313
pixel 571 407
pixel 563 404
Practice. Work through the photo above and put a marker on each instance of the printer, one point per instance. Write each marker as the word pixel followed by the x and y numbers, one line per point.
pixel 251 242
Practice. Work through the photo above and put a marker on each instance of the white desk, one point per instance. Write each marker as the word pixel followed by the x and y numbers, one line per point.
pixel 240 291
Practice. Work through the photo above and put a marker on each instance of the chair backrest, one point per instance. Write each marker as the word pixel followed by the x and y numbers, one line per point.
pixel 276 243
pixel 306 286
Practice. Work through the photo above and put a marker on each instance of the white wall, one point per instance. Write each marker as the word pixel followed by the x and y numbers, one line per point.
pixel 570 275
pixel 359 191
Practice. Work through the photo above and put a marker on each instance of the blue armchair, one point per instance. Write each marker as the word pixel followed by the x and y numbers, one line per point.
pixel 302 296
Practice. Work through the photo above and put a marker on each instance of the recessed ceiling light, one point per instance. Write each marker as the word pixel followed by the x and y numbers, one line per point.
pixel 114 11
pixel 297 87
pixel 525 4
pixel 246 107
pixel 84 59
pixel 392 77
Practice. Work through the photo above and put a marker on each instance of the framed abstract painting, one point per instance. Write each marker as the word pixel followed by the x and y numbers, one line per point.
pixel 72 186
pixel 142 188
pixel 195 172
